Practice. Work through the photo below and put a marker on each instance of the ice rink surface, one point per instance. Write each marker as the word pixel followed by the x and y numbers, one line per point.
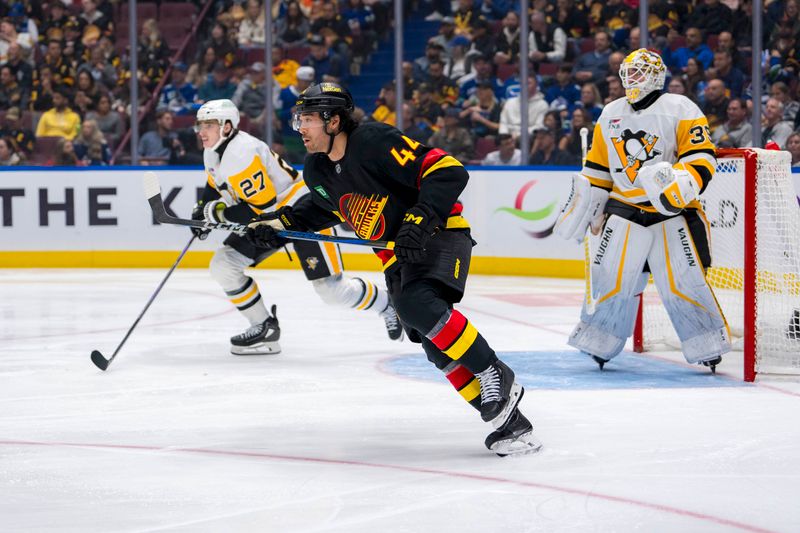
pixel 346 431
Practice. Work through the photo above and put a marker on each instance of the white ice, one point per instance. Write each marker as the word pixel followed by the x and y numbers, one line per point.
pixel 179 435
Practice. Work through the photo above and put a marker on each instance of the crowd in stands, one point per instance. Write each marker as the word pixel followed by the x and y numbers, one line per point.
pixel 65 72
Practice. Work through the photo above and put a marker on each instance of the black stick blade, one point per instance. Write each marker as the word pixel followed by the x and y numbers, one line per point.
pixel 99 361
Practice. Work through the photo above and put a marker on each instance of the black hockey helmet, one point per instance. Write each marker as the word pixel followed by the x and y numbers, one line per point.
pixel 326 99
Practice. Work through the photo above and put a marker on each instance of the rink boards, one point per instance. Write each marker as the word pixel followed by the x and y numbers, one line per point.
pixel 98 217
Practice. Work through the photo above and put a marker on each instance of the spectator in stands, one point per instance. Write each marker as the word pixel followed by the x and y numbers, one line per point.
pixel 11 93
pixel 547 42
pixel 71 43
pixel 90 15
pixel 695 48
pixel 385 105
pixel 780 92
pixel 443 88
pixel 42 93
pixel 410 84
pixel 91 137
pixel 481 72
pixel 614 88
pixel 54 23
pixel 615 15
pixel 552 121
pixel 157 144
pixel 108 121
pixel 219 87
pixel 65 154
pixel 715 106
pixel 20 68
pixel 251 93
pixel 200 71
pixel 222 44
pixel 428 110
pixel 507 44
pixel 328 65
pixel 724 70
pixel 483 118
pixel 483 41
pixel 457 64
pixel 736 131
pixel 695 78
pixel 9 36
pixel 711 16
pixel 789 20
pixel 546 152
pixel 60 121
pixel 284 70
pixel 591 100
pixel 179 95
pixel 452 137
pixel 773 127
pixel 793 147
pixel 573 20
pixel 570 143
pixel 288 97
pixel 564 89
pixel 361 21
pixel 511 115
pixel 592 66
pixel 251 29
pixel 153 54
pixel 98 68
pixel 293 28
pixel 85 83
pixel 22 137
pixel 725 41
pixel 465 17
pixel 507 153
pixel 677 85
pixel 9 157
pixel 413 127
pixel 614 62
pixel 434 51
pixel 330 20
pixel 62 71
pixel 447 32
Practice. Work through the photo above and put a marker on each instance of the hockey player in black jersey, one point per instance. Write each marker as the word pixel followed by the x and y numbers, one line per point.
pixel 388 186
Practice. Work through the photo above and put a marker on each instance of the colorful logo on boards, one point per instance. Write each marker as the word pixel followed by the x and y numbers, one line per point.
pixel 531 216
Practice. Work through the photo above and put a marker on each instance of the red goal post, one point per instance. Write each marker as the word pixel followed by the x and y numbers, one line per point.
pixel 752 213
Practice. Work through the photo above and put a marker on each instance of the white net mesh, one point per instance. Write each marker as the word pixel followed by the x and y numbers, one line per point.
pixel 777 301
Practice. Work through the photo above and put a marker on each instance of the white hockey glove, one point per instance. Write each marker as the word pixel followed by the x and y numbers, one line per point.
pixel 669 190
pixel 214 212
pixel 584 208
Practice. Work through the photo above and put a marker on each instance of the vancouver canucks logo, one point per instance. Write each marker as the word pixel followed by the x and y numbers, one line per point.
pixel 634 149
pixel 364 214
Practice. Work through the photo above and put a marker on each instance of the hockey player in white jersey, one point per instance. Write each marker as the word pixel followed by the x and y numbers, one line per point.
pixel 245 178
pixel 637 192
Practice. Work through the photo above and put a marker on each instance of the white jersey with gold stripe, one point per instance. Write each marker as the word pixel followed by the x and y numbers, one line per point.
pixel 249 171
pixel 671 129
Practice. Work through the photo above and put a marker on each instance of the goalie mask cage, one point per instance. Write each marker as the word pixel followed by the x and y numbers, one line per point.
pixel 752 214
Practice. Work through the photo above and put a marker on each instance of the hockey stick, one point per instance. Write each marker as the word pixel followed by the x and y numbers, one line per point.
pixel 97 358
pixel 152 190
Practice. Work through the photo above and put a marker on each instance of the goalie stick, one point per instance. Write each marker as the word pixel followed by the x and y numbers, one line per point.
pixel 152 190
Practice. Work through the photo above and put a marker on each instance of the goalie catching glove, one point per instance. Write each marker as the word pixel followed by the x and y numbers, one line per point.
pixel 263 230
pixel 669 189
pixel 584 208
pixel 419 223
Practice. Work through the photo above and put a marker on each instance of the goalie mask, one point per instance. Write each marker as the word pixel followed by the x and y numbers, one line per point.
pixel 220 111
pixel 642 72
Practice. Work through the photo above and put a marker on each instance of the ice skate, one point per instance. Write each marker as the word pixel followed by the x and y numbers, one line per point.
pixel 516 438
pixel 261 339
pixel 600 361
pixel 500 394
pixel 393 326
pixel 712 363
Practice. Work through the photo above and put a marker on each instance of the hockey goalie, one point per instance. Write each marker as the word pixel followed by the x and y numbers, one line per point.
pixel 651 158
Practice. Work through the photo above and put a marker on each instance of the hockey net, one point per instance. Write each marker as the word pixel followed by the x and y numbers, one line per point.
pixel 752 210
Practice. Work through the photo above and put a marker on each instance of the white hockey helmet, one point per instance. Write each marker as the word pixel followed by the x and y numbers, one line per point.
pixel 642 72
pixel 221 111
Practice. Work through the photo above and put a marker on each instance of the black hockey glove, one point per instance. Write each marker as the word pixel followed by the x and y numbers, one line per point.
pixel 197 214
pixel 418 225
pixel 263 230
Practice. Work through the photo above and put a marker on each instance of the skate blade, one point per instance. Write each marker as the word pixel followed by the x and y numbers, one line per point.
pixel 525 444
pixel 264 348
pixel 513 400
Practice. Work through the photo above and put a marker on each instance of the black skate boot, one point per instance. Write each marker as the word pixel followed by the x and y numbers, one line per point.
pixel 516 438
pixel 500 394
pixel 393 326
pixel 712 364
pixel 600 361
pixel 261 339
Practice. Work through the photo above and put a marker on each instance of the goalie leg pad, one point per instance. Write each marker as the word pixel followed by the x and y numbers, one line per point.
pixel 615 280
pixel 678 274
pixel 227 268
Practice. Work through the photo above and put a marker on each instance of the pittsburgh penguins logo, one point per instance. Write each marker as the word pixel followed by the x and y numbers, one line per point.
pixel 634 150
pixel 312 262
